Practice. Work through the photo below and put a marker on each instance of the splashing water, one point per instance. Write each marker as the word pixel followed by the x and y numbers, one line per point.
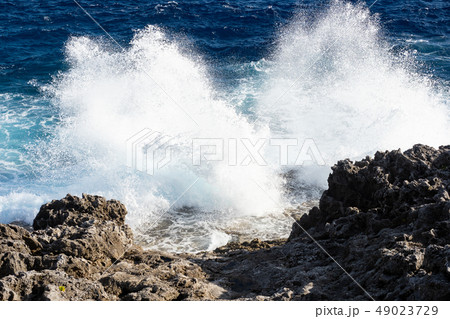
pixel 338 83
pixel 107 96
pixel 334 80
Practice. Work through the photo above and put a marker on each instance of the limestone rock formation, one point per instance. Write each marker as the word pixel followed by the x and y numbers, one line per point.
pixel 381 231
pixel 81 249
pixel 385 221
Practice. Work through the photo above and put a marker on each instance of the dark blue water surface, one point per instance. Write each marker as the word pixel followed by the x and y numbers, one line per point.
pixel 33 32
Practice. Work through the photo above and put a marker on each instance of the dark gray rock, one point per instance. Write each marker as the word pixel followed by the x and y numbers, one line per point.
pixel 75 211
pixel 81 249
pixel 384 220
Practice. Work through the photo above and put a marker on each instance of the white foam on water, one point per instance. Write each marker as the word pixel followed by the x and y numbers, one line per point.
pixel 107 96
pixel 335 81
pixel 19 207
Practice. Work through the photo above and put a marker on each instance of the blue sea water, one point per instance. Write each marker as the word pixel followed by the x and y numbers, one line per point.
pixel 354 76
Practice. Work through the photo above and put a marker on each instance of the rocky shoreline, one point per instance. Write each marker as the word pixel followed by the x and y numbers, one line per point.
pixel 385 221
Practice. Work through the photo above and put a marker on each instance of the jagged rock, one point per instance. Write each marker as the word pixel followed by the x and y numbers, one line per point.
pixel 50 285
pixel 18 239
pixel 75 211
pixel 83 245
pixel 384 220
pixel 101 243
pixel 400 202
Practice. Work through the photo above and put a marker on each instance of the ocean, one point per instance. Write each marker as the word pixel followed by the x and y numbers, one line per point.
pixel 79 80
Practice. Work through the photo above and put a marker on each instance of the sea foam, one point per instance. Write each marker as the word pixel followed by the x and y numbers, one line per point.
pixel 337 80
pixel 108 95
pixel 333 79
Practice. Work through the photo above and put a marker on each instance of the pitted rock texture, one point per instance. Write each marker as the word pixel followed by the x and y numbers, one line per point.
pixel 81 249
pixel 385 221
pixel 75 211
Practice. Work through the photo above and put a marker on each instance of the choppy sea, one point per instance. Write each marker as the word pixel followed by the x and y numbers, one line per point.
pixel 78 79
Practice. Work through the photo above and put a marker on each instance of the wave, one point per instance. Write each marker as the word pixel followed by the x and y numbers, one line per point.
pixel 107 96
pixel 338 81
pixel 334 80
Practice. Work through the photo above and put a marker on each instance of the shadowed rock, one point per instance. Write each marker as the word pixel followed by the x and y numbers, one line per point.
pixel 385 220
pixel 81 249
pixel 75 211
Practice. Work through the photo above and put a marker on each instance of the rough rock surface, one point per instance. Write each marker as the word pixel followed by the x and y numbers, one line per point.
pixel 81 249
pixel 385 221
